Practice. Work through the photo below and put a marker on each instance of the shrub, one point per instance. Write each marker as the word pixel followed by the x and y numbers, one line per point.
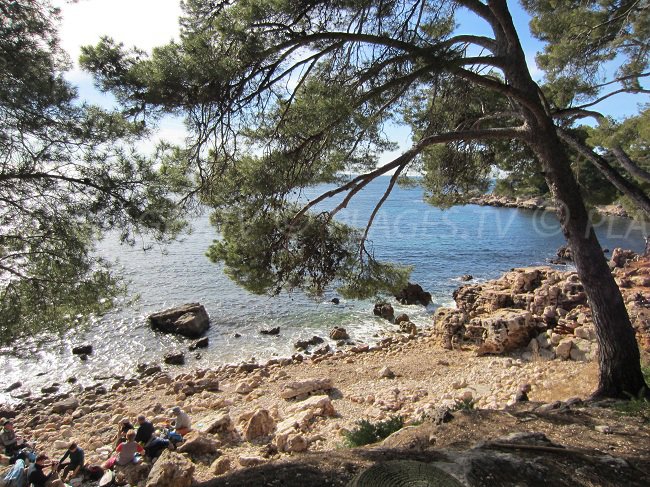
pixel 463 405
pixel 367 432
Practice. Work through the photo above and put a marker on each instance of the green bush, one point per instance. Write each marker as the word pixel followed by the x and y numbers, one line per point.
pixel 367 432
pixel 463 405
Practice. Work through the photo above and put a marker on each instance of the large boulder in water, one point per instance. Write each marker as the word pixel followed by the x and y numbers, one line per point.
pixel 385 310
pixel 190 320
pixel 414 294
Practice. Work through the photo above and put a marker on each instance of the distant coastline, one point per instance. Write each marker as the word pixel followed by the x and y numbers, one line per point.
pixel 539 203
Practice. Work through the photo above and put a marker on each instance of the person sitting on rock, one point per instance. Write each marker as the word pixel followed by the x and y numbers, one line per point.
pixel 145 430
pixel 10 441
pixel 37 477
pixel 155 446
pixel 125 452
pixel 182 423
pixel 76 464
pixel 122 429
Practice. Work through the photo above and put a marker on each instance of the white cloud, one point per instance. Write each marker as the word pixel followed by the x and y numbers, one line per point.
pixel 141 23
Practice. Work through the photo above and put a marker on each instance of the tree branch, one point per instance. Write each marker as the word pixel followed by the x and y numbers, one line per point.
pixel 621 156
pixel 403 160
pixel 485 42
pixel 626 187
pixel 378 206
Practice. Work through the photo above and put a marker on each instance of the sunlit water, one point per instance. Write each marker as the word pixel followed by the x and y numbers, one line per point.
pixel 440 245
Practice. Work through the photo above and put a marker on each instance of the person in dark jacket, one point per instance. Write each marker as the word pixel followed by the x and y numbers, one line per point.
pixel 9 440
pixel 37 476
pixel 145 430
pixel 77 461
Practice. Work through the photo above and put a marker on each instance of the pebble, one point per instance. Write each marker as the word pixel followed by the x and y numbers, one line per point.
pixel 604 428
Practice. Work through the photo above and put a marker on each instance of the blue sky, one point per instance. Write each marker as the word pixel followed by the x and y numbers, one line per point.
pixel 147 23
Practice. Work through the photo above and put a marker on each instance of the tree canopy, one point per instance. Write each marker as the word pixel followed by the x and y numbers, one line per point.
pixel 283 95
pixel 69 172
pixel 280 96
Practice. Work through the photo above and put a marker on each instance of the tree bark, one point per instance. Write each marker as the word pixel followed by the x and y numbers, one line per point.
pixel 619 359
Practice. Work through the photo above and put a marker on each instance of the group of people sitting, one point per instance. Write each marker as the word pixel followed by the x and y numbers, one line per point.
pixel 130 446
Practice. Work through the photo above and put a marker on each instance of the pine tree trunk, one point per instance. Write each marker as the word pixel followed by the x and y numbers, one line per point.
pixel 620 373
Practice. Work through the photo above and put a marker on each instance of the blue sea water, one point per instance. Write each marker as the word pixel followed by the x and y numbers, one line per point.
pixel 441 245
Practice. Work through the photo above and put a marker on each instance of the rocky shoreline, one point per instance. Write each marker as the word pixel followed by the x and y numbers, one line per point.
pixel 538 203
pixel 528 331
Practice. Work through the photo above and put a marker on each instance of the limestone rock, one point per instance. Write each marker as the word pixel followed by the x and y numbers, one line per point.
pixel 14 386
pixel 272 331
pixel 385 310
pixel 305 387
pixel 385 372
pixel 563 349
pixel 190 320
pixel 220 422
pixel 174 358
pixel 221 465
pixel 245 387
pixel 61 407
pixel 413 294
pixel 402 317
pixel 339 333
pixel 304 344
pixel 131 474
pixel 171 470
pixel 250 461
pixel 506 330
pixel 620 257
pixel 200 343
pixel 408 327
pixel 198 443
pixel 260 424
pixel 448 323
pixel 296 443
pixel 317 405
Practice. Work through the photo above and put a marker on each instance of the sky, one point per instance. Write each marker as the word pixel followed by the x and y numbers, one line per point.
pixel 148 23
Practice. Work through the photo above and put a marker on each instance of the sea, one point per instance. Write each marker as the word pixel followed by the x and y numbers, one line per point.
pixel 440 245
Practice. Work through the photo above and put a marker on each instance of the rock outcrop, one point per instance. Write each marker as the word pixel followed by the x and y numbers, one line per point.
pixel 413 294
pixel 61 407
pixel 199 443
pixel 385 310
pixel 544 309
pixel 171 470
pixel 506 202
pixel 303 388
pixel 257 424
pixel 339 333
pixel 190 320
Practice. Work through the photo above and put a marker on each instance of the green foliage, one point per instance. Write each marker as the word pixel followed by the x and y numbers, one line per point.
pixel 463 405
pixel 271 251
pixel 280 96
pixel 68 174
pixel 581 36
pixel 366 432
